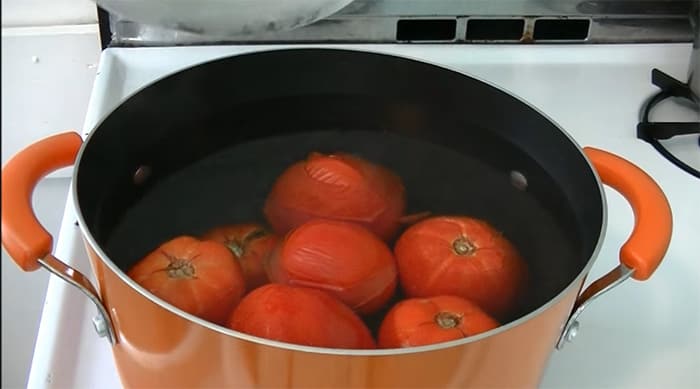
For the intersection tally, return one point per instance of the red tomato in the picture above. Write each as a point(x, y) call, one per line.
point(251, 244)
point(423, 321)
point(339, 187)
point(199, 277)
point(341, 258)
point(301, 316)
point(464, 257)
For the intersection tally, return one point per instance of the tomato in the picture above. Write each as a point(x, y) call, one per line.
point(301, 316)
point(251, 244)
point(339, 187)
point(199, 277)
point(341, 258)
point(464, 257)
point(423, 321)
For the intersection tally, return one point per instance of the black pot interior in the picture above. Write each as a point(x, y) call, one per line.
point(209, 142)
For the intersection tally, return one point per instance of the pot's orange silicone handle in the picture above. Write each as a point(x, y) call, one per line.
point(651, 235)
point(22, 235)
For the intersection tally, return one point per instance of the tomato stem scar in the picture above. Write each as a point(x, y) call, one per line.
point(447, 320)
point(180, 268)
point(236, 248)
point(462, 246)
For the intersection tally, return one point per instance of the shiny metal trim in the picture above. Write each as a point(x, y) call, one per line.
point(375, 21)
point(608, 29)
point(694, 67)
point(376, 49)
point(78, 280)
point(600, 286)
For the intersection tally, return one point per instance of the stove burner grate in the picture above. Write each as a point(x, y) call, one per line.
point(651, 132)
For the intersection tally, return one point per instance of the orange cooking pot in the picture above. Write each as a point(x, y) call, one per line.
point(202, 147)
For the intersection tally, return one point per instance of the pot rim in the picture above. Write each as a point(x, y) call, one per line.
point(336, 351)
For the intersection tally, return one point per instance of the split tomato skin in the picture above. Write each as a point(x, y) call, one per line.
point(341, 258)
point(461, 256)
point(200, 277)
point(251, 244)
point(301, 316)
point(424, 321)
point(339, 187)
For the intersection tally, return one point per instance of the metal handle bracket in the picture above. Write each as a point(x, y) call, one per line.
point(102, 322)
point(604, 284)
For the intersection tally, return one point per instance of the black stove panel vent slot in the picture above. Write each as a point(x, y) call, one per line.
point(495, 29)
point(561, 29)
point(426, 30)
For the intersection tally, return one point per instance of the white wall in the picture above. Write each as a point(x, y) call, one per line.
point(47, 74)
point(50, 50)
point(20, 13)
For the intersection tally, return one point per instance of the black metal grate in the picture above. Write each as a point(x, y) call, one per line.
point(651, 132)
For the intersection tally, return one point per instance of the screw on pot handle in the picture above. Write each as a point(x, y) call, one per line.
point(643, 251)
point(25, 239)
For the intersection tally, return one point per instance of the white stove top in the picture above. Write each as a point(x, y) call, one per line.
point(639, 335)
